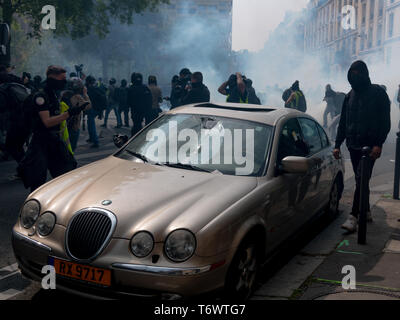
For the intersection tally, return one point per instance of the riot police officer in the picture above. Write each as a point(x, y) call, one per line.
point(48, 149)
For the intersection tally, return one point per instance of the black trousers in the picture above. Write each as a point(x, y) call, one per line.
point(15, 140)
point(356, 156)
point(44, 153)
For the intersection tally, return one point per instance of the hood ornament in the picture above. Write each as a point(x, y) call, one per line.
point(106, 202)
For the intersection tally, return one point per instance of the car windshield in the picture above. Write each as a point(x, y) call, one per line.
point(203, 143)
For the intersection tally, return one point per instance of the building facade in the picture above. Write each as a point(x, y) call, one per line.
point(375, 36)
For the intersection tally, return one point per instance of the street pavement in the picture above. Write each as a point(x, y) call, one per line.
point(310, 268)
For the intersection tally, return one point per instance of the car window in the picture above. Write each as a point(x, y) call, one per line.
point(324, 138)
point(291, 142)
point(311, 135)
point(212, 143)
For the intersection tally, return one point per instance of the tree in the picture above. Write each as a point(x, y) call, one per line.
point(75, 18)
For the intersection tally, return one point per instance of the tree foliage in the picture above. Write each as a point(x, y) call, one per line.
point(76, 18)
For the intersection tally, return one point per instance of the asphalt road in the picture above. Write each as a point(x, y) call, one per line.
point(14, 286)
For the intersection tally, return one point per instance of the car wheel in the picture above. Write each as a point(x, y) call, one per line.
point(243, 271)
point(334, 198)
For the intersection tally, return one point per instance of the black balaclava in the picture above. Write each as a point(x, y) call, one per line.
point(296, 86)
point(358, 76)
point(55, 84)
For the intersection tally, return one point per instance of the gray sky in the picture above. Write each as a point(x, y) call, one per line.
point(253, 20)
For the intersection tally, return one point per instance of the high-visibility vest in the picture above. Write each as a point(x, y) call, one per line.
point(64, 128)
point(241, 101)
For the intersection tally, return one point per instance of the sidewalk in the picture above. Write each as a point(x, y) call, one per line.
point(315, 272)
point(377, 264)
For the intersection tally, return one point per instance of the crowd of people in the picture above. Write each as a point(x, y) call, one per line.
point(42, 120)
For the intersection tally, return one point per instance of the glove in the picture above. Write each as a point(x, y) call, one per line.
point(75, 111)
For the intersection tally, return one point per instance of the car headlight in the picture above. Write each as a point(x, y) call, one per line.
point(29, 213)
point(45, 223)
point(180, 245)
point(142, 244)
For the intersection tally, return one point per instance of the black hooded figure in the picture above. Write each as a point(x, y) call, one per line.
point(140, 101)
point(365, 122)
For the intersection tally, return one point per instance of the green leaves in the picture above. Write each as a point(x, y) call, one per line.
point(77, 18)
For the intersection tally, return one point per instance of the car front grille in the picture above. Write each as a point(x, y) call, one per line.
point(88, 233)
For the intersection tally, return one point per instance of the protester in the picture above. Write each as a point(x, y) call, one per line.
point(140, 101)
point(99, 102)
point(122, 98)
point(157, 98)
point(197, 91)
point(37, 83)
point(80, 99)
point(239, 89)
point(296, 99)
point(48, 149)
point(365, 122)
point(180, 89)
point(112, 104)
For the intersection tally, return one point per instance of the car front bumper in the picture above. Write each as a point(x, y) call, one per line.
point(128, 279)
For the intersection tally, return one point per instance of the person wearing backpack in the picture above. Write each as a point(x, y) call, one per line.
point(140, 101)
point(48, 149)
point(297, 99)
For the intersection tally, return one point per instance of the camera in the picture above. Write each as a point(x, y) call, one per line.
point(79, 68)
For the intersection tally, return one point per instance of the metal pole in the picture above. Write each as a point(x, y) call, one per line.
point(364, 199)
point(396, 189)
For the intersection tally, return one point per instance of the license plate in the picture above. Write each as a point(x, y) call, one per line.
point(82, 272)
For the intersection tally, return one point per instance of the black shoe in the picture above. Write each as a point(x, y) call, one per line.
point(94, 146)
point(118, 127)
point(127, 126)
point(103, 126)
point(89, 141)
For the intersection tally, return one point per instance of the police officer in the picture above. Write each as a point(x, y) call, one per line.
point(48, 150)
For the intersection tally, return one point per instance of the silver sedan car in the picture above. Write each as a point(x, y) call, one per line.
point(195, 202)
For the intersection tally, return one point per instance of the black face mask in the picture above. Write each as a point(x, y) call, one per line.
point(358, 76)
point(56, 84)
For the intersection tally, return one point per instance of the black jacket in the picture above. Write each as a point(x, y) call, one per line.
point(140, 99)
point(198, 94)
point(365, 119)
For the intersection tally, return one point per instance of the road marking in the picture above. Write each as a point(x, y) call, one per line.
point(8, 294)
point(349, 252)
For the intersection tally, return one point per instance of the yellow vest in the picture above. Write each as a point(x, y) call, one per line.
point(64, 129)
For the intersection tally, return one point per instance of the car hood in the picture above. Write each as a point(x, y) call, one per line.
point(144, 197)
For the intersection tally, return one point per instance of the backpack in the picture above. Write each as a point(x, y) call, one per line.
point(13, 96)
point(302, 106)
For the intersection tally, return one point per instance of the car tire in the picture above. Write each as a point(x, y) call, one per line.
point(243, 271)
point(332, 209)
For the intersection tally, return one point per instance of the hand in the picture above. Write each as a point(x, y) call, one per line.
point(336, 154)
point(84, 91)
point(376, 153)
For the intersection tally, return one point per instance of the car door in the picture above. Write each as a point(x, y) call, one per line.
point(286, 205)
point(314, 189)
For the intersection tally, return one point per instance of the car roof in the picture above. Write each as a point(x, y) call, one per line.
point(250, 112)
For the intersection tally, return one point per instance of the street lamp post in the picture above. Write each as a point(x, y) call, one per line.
point(396, 188)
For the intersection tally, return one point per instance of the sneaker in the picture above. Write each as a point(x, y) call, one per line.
point(351, 224)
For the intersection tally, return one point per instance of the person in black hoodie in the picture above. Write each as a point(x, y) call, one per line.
point(140, 101)
point(365, 122)
point(197, 92)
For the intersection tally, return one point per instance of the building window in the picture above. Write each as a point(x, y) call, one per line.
point(391, 24)
point(372, 10)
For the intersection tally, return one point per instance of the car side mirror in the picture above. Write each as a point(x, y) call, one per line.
point(295, 165)
point(120, 140)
